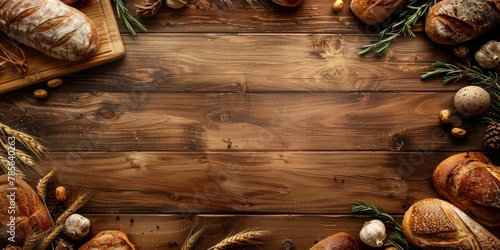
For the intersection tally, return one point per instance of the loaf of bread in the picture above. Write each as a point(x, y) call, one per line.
point(51, 27)
point(456, 21)
point(472, 183)
point(373, 12)
point(338, 241)
point(437, 224)
point(108, 240)
point(21, 210)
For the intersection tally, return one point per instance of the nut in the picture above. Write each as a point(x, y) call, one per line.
point(445, 116)
point(40, 93)
point(458, 132)
point(460, 51)
point(337, 5)
point(61, 194)
point(54, 82)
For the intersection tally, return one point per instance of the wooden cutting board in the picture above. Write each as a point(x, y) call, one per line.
point(43, 67)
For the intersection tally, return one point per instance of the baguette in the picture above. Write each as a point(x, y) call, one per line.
point(437, 224)
point(472, 183)
point(51, 27)
point(455, 21)
point(373, 12)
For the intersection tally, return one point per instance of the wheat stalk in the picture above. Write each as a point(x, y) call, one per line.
point(41, 187)
point(81, 199)
point(32, 239)
point(5, 163)
point(193, 237)
point(246, 237)
point(27, 140)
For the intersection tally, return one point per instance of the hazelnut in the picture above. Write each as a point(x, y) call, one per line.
point(61, 194)
point(40, 93)
point(458, 132)
point(54, 82)
point(337, 5)
point(445, 116)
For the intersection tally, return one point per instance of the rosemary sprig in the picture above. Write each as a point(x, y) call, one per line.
point(127, 19)
point(402, 26)
point(396, 238)
point(487, 80)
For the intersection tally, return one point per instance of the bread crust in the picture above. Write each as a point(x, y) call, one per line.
point(338, 241)
point(375, 11)
point(51, 27)
point(437, 224)
point(472, 183)
point(456, 21)
point(30, 212)
point(108, 240)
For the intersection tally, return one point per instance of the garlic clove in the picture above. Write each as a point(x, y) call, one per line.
point(76, 227)
point(176, 4)
point(488, 56)
point(373, 233)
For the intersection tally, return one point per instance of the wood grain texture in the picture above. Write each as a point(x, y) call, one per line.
point(245, 182)
point(145, 121)
point(264, 63)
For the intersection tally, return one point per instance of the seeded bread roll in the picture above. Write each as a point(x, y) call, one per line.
point(373, 12)
point(338, 241)
point(437, 224)
point(456, 21)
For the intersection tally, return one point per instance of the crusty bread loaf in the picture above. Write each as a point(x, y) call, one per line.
point(19, 201)
point(373, 12)
point(456, 21)
point(338, 241)
point(472, 183)
point(51, 27)
point(108, 240)
point(437, 224)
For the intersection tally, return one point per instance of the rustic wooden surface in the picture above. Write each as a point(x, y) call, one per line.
point(247, 118)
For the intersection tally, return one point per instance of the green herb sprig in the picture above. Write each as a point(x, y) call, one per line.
point(402, 26)
point(487, 80)
point(396, 238)
point(127, 19)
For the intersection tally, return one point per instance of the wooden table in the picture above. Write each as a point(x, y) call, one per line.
point(246, 118)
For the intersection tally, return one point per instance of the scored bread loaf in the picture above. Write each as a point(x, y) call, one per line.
point(21, 210)
point(108, 240)
point(373, 12)
point(456, 21)
point(51, 27)
point(437, 224)
point(472, 183)
point(338, 241)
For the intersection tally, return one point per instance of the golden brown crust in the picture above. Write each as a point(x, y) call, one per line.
point(375, 11)
point(472, 183)
point(455, 21)
point(28, 210)
point(107, 240)
point(338, 241)
point(435, 224)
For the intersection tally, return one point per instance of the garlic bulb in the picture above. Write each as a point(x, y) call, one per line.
point(176, 4)
point(488, 56)
point(373, 233)
point(76, 227)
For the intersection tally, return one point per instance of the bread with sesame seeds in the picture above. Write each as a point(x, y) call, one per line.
point(471, 182)
point(437, 224)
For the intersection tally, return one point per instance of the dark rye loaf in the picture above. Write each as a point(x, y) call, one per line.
point(456, 21)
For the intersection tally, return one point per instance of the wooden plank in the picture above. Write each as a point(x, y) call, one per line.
point(166, 231)
point(212, 16)
point(244, 182)
point(264, 63)
point(145, 121)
